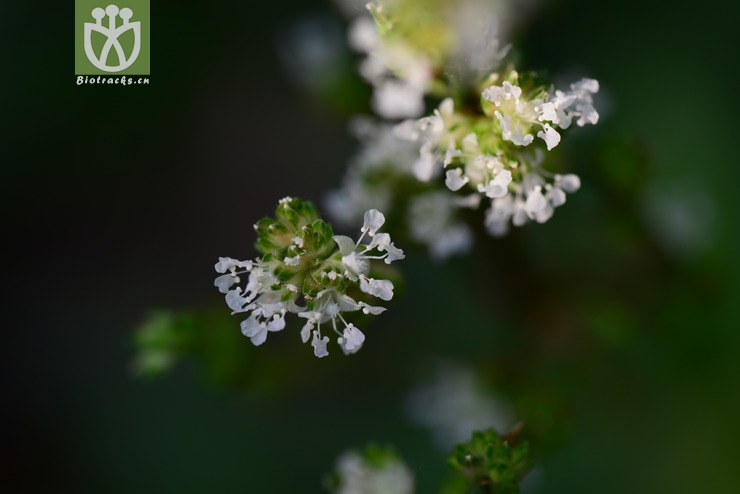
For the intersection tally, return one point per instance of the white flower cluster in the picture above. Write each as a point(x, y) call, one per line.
point(380, 171)
point(384, 475)
point(517, 115)
point(270, 287)
point(488, 143)
point(518, 187)
point(404, 46)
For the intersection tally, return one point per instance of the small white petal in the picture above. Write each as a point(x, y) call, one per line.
point(369, 309)
point(235, 301)
point(382, 289)
point(425, 166)
point(535, 201)
point(373, 220)
point(250, 326)
point(590, 85)
point(519, 217)
point(550, 136)
point(556, 197)
point(277, 323)
point(319, 345)
point(570, 183)
point(226, 263)
point(306, 331)
point(394, 253)
point(395, 99)
point(499, 186)
point(224, 282)
point(363, 34)
point(259, 338)
point(352, 338)
point(544, 214)
point(455, 180)
point(380, 241)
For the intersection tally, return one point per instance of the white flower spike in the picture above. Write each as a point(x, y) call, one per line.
point(304, 263)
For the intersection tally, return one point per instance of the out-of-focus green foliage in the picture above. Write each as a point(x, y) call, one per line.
point(211, 339)
point(161, 339)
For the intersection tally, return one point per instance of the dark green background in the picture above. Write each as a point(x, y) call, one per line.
point(118, 200)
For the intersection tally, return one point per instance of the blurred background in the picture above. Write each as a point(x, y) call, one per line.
point(612, 331)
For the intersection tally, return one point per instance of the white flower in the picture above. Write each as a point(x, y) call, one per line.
point(228, 264)
point(359, 476)
point(535, 201)
point(515, 114)
point(257, 330)
point(455, 179)
point(429, 132)
point(555, 196)
point(550, 136)
point(432, 221)
point(363, 34)
point(236, 301)
point(518, 115)
point(569, 183)
point(352, 339)
point(382, 242)
point(499, 215)
point(514, 129)
point(395, 99)
point(382, 289)
point(498, 95)
point(578, 102)
point(544, 214)
point(313, 318)
point(400, 75)
point(224, 282)
point(319, 345)
point(267, 299)
point(499, 186)
point(554, 109)
point(425, 166)
point(374, 219)
point(355, 266)
point(369, 309)
point(584, 108)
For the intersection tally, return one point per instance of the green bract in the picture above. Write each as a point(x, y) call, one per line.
point(297, 231)
point(493, 463)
